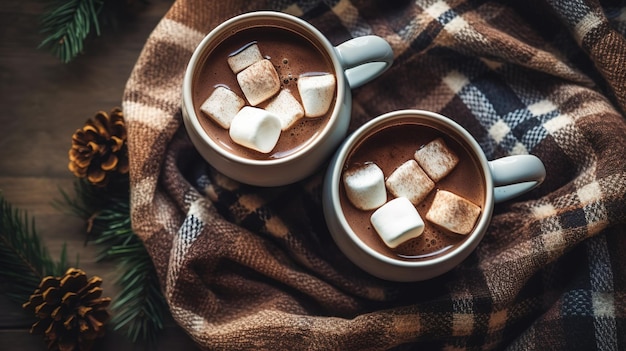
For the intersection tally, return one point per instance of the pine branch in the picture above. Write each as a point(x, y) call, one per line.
point(24, 258)
point(67, 25)
point(140, 308)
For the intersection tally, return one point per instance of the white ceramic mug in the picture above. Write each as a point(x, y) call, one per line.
point(355, 62)
point(503, 179)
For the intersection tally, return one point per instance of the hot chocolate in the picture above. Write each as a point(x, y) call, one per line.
point(292, 55)
point(391, 146)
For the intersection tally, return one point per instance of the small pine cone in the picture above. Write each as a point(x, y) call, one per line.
point(70, 310)
point(99, 148)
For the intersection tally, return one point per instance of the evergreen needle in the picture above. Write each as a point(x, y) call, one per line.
point(140, 308)
point(24, 258)
point(68, 24)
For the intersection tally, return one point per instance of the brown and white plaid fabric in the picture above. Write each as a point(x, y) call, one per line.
point(255, 268)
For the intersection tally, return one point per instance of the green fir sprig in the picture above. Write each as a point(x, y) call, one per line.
point(67, 24)
point(24, 259)
point(140, 308)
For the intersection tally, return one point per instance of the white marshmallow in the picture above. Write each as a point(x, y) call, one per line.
point(256, 129)
point(259, 81)
point(222, 106)
point(246, 56)
point(286, 107)
point(365, 186)
point(436, 159)
point(397, 221)
point(316, 93)
point(453, 212)
point(410, 181)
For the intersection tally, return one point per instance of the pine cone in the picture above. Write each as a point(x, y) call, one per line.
point(70, 310)
point(99, 148)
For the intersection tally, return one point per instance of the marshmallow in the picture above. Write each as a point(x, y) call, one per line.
point(316, 93)
point(453, 212)
point(436, 159)
point(286, 107)
point(256, 129)
point(397, 221)
point(410, 181)
point(259, 81)
point(222, 106)
point(365, 186)
point(244, 57)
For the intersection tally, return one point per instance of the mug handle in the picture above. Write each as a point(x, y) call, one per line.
point(364, 58)
point(515, 175)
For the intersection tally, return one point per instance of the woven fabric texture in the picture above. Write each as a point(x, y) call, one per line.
point(255, 268)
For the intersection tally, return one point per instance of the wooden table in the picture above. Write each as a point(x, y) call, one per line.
point(43, 102)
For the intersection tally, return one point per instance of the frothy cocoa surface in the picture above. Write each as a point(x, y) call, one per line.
point(292, 55)
point(389, 148)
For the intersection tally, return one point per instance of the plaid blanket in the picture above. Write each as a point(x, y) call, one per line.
point(255, 268)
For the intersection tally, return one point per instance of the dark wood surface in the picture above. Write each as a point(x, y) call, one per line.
point(43, 102)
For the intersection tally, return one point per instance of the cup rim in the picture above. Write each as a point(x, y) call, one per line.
point(336, 174)
point(252, 17)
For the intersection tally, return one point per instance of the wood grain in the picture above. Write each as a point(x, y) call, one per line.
point(43, 102)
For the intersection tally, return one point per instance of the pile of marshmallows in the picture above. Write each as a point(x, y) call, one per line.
point(398, 220)
point(260, 128)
